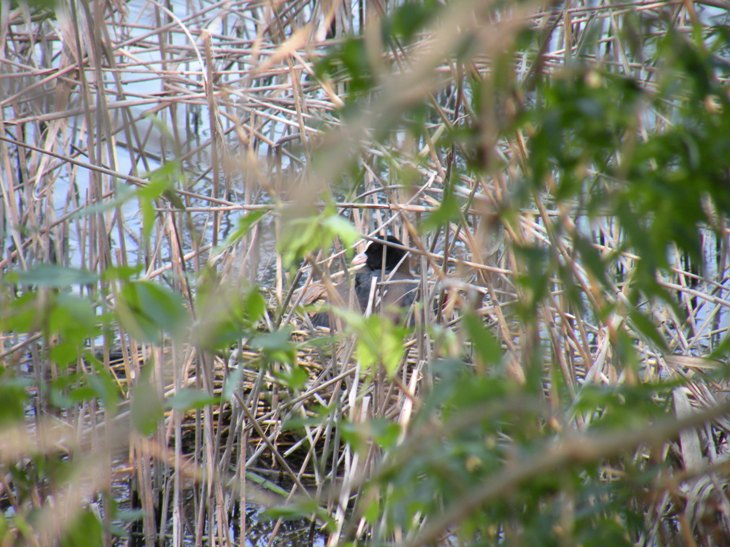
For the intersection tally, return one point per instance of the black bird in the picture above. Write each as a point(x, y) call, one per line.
point(384, 284)
point(394, 287)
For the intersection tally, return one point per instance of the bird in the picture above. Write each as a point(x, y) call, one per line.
point(383, 284)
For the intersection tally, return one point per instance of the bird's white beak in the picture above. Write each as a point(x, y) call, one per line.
point(359, 259)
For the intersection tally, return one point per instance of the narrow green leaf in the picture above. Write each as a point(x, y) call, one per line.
point(591, 259)
point(647, 327)
point(266, 483)
point(13, 397)
point(276, 346)
point(147, 409)
point(255, 306)
point(104, 385)
point(245, 223)
point(485, 344)
point(448, 211)
point(379, 341)
point(233, 384)
point(294, 377)
point(84, 531)
point(147, 309)
point(342, 228)
point(123, 195)
point(189, 398)
point(51, 275)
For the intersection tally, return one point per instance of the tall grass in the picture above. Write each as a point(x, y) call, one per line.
point(176, 180)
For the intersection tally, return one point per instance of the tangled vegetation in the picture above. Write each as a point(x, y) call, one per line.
point(177, 178)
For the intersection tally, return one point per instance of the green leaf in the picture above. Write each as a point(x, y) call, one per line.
point(294, 377)
point(147, 207)
point(342, 228)
point(276, 346)
point(123, 194)
point(245, 223)
point(73, 318)
point(409, 19)
point(372, 511)
point(233, 384)
point(51, 275)
point(448, 211)
point(226, 314)
point(13, 397)
point(722, 350)
point(303, 235)
point(266, 483)
point(384, 432)
point(121, 273)
point(22, 313)
point(349, 61)
point(254, 306)
point(319, 415)
point(104, 385)
point(146, 310)
point(647, 327)
point(129, 515)
point(63, 353)
point(161, 182)
point(60, 390)
point(299, 510)
point(379, 341)
point(84, 531)
point(485, 344)
point(147, 408)
point(189, 398)
point(591, 259)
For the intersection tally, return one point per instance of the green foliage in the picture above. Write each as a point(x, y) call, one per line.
point(487, 433)
point(533, 276)
point(41, 9)
point(298, 510)
point(189, 398)
point(600, 144)
point(51, 276)
point(349, 62)
point(276, 346)
point(581, 120)
point(655, 186)
point(162, 183)
point(147, 310)
point(304, 234)
point(73, 319)
point(226, 316)
point(492, 457)
point(85, 531)
point(409, 19)
point(103, 384)
point(14, 397)
point(147, 406)
point(486, 346)
point(379, 431)
point(66, 319)
point(293, 377)
point(245, 223)
point(614, 407)
point(447, 211)
point(379, 341)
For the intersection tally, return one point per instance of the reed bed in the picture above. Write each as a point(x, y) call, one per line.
point(141, 137)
